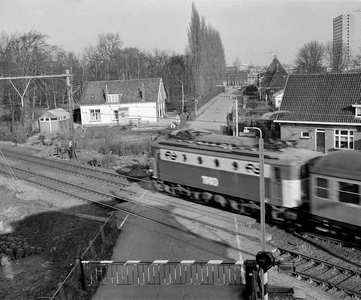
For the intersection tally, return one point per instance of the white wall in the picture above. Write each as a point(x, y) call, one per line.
point(147, 111)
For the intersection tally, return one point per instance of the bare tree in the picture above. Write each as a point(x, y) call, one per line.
point(108, 48)
point(336, 55)
point(309, 58)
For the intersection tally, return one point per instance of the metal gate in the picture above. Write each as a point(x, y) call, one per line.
point(213, 272)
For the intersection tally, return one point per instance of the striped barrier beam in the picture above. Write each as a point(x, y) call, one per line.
point(155, 262)
point(218, 272)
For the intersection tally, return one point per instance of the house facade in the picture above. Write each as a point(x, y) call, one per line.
point(324, 111)
point(276, 99)
point(123, 102)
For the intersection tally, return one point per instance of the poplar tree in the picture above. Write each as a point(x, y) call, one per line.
point(205, 55)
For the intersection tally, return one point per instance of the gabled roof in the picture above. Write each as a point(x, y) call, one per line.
point(280, 92)
point(57, 113)
point(275, 76)
point(321, 98)
point(131, 90)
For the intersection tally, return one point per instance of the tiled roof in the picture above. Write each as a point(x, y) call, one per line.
point(94, 92)
point(322, 98)
point(275, 76)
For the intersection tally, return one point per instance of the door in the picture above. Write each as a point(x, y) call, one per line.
point(123, 115)
point(320, 140)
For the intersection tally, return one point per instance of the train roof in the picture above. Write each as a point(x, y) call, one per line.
point(343, 164)
point(200, 139)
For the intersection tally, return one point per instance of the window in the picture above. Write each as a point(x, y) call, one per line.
point(216, 162)
point(343, 139)
point(113, 98)
point(95, 115)
point(348, 193)
point(200, 160)
point(277, 174)
point(305, 135)
point(322, 188)
point(358, 112)
point(235, 166)
point(357, 107)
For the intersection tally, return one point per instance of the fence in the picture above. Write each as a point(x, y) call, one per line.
point(75, 286)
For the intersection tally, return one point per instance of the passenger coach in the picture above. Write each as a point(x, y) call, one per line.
point(336, 190)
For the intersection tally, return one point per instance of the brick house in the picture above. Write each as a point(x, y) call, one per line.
point(123, 102)
point(324, 111)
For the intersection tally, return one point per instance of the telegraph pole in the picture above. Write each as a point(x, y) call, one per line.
point(69, 88)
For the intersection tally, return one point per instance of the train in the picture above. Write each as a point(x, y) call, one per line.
point(301, 186)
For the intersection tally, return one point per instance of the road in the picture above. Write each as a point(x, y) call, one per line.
point(212, 116)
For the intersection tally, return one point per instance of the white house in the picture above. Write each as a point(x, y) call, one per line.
point(123, 102)
point(276, 99)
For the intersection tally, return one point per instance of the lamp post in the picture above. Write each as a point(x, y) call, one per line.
point(235, 97)
point(262, 206)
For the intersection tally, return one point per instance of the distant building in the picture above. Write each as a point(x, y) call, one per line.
point(346, 37)
point(272, 80)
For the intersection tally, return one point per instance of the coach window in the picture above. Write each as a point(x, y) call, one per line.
point(322, 188)
point(199, 160)
point(235, 166)
point(344, 139)
point(216, 162)
point(277, 174)
point(184, 158)
point(348, 192)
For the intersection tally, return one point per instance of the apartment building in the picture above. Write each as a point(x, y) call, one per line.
point(346, 37)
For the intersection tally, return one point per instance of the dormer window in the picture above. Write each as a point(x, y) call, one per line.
point(357, 110)
point(114, 98)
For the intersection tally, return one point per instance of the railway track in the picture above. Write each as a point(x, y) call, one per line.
point(70, 167)
point(124, 200)
point(326, 275)
point(109, 196)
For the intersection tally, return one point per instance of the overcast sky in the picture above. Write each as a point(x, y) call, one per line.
point(252, 30)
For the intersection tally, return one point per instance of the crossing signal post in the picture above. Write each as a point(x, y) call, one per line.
point(257, 269)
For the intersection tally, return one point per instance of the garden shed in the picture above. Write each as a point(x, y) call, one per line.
point(54, 120)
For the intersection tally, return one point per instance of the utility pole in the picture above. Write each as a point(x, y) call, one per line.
point(182, 95)
point(69, 88)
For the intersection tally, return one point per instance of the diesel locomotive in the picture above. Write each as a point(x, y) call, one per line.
point(301, 186)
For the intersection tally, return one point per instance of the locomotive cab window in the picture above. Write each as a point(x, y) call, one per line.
point(348, 192)
point(322, 188)
point(277, 174)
